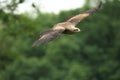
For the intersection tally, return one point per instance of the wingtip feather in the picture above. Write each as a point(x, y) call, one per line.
point(95, 9)
point(100, 4)
point(36, 43)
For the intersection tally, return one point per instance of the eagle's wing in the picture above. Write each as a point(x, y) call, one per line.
point(48, 36)
point(76, 19)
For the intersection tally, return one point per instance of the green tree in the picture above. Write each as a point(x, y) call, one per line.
point(92, 54)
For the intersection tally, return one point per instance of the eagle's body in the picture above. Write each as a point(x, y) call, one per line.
point(67, 27)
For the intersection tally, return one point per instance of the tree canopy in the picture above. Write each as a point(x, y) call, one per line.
point(92, 54)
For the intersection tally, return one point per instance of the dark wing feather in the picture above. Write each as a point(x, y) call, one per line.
point(47, 36)
point(45, 32)
point(76, 19)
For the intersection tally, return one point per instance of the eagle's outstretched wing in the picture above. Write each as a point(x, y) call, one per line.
point(48, 36)
point(76, 19)
point(60, 28)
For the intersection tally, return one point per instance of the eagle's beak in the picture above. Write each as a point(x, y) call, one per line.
point(76, 30)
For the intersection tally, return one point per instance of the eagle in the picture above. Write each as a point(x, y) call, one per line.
point(66, 27)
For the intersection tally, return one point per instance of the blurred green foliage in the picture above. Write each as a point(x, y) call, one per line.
point(92, 54)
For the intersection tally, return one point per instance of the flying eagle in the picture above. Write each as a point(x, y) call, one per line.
point(67, 27)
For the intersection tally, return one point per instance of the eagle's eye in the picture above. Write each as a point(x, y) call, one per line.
point(76, 30)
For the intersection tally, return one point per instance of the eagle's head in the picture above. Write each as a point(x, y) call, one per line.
point(76, 30)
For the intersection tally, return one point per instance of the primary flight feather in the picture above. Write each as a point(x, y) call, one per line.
point(66, 27)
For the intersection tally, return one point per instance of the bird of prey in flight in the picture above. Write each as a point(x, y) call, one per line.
point(67, 27)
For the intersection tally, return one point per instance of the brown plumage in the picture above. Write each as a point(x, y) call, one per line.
point(67, 27)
